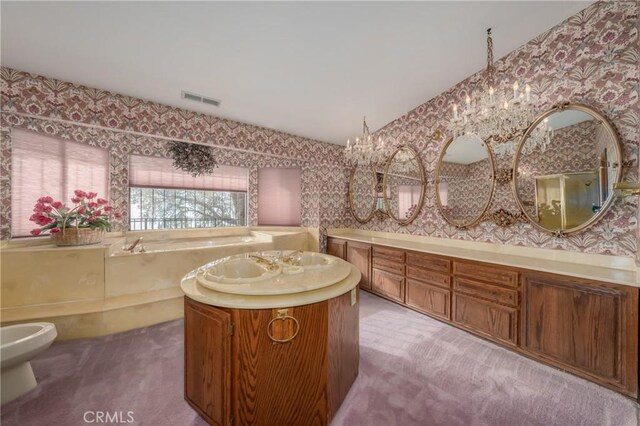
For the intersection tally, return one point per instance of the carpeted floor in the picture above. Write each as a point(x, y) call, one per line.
point(413, 371)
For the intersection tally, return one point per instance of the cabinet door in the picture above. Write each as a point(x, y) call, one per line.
point(494, 321)
point(429, 299)
point(388, 285)
point(586, 327)
point(359, 255)
point(337, 248)
point(207, 357)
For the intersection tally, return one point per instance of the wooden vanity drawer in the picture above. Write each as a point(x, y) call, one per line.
point(430, 277)
point(428, 299)
point(389, 265)
point(389, 253)
point(493, 293)
point(493, 321)
point(429, 262)
point(388, 284)
point(491, 274)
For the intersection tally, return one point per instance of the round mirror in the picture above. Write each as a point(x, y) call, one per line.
point(564, 169)
point(464, 180)
point(403, 185)
point(362, 193)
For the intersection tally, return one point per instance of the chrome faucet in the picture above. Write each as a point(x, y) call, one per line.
point(133, 246)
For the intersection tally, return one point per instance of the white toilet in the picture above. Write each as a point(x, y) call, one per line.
point(18, 345)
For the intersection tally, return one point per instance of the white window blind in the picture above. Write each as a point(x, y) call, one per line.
point(44, 165)
point(154, 172)
point(279, 192)
point(408, 196)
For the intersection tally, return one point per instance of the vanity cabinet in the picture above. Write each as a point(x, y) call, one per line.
point(359, 255)
point(428, 286)
point(486, 300)
point(337, 248)
point(429, 299)
point(387, 276)
point(496, 322)
point(208, 355)
point(271, 366)
point(388, 285)
point(586, 327)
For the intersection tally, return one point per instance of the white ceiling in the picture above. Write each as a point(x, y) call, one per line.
point(466, 149)
point(311, 69)
point(568, 117)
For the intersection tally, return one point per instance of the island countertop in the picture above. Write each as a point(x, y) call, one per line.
point(197, 292)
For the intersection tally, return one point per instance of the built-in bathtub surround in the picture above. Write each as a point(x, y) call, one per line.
point(102, 289)
point(591, 58)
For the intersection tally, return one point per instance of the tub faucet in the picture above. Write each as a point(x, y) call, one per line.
point(133, 246)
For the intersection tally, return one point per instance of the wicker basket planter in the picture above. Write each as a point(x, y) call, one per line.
point(78, 237)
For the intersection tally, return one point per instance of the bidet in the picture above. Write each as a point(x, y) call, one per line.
point(19, 344)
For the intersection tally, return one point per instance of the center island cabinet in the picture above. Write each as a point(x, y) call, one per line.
point(574, 311)
point(271, 338)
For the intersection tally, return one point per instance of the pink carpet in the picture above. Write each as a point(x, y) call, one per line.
point(413, 371)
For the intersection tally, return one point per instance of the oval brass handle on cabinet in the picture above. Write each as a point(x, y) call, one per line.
point(283, 315)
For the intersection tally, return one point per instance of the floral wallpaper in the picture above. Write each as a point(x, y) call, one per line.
point(591, 58)
point(468, 188)
point(126, 126)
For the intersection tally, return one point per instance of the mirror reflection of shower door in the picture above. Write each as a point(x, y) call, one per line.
point(549, 201)
point(581, 193)
point(567, 200)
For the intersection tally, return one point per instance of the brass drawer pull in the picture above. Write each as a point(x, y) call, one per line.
point(283, 315)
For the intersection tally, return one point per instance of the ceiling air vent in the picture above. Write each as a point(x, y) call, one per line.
point(199, 98)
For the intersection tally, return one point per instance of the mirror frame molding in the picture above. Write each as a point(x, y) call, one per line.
point(423, 178)
point(620, 160)
point(374, 192)
point(476, 220)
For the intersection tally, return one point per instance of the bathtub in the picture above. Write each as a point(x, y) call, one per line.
point(102, 289)
point(165, 245)
point(165, 261)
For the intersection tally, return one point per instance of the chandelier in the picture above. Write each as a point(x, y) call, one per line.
point(366, 151)
point(404, 163)
point(537, 141)
point(497, 117)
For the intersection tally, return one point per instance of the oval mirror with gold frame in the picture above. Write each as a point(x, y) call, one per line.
point(565, 166)
point(464, 180)
point(363, 193)
point(403, 184)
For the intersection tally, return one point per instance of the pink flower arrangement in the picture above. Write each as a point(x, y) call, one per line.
point(54, 216)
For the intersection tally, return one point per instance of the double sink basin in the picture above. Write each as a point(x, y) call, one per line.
point(272, 272)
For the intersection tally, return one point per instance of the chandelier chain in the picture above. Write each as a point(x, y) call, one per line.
point(490, 56)
point(499, 116)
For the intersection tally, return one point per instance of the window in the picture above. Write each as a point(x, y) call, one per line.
point(408, 197)
point(279, 196)
point(163, 197)
point(46, 165)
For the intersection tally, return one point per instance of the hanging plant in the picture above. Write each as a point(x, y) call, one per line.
point(192, 158)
